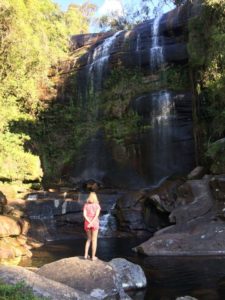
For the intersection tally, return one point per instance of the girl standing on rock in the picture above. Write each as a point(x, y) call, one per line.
point(91, 213)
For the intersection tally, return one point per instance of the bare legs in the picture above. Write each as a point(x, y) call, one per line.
point(87, 244)
point(92, 237)
point(94, 243)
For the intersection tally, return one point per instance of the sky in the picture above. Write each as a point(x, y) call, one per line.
point(64, 3)
point(105, 6)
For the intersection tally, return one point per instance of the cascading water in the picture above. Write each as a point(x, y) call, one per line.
point(107, 222)
point(138, 42)
point(98, 62)
point(96, 70)
point(138, 48)
point(164, 104)
point(163, 132)
point(156, 51)
point(163, 123)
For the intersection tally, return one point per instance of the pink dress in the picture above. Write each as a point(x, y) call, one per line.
point(91, 209)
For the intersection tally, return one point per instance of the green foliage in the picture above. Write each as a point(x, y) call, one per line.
point(124, 84)
point(61, 131)
point(119, 120)
point(77, 17)
point(64, 128)
point(16, 292)
point(197, 42)
point(207, 59)
point(177, 77)
point(15, 163)
point(34, 36)
point(216, 152)
point(120, 130)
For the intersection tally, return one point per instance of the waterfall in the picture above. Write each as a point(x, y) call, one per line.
point(162, 122)
point(138, 49)
point(107, 222)
point(138, 46)
point(156, 51)
point(146, 152)
point(98, 61)
point(157, 61)
point(92, 166)
point(163, 114)
point(163, 108)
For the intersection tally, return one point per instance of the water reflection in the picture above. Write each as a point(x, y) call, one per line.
point(168, 277)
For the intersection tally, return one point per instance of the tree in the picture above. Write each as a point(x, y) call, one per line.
point(207, 63)
point(78, 17)
point(34, 36)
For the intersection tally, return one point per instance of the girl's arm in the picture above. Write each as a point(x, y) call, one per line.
point(95, 217)
point(85, 216)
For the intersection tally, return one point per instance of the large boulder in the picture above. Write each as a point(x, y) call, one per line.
point(129, 212)
point(3, 202)
point(131, 275)
point(41, 286)
point(9, 227)
point(144, 212)
point(199, 238)
point(197, 229)
point(186, 298)
point(13, 242)
point(12, 249)
point(217, 185)
point(164, 197)
point(197, 173)
point(194, 200)
point(96, 278)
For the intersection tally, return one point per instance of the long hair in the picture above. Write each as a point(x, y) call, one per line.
point(92, 198)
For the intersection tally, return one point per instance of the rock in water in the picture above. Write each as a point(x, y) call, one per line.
point(197, 173)
point(96, 278)
point(131, 275)
point(186, 298)
point(40, 286)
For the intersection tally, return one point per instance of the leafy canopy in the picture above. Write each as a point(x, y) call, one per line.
point(34, 36)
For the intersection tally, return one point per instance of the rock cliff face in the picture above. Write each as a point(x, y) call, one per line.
point(132, 48)
point(140, 129)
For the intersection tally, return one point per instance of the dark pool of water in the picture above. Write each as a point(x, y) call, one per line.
point(168, 277)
